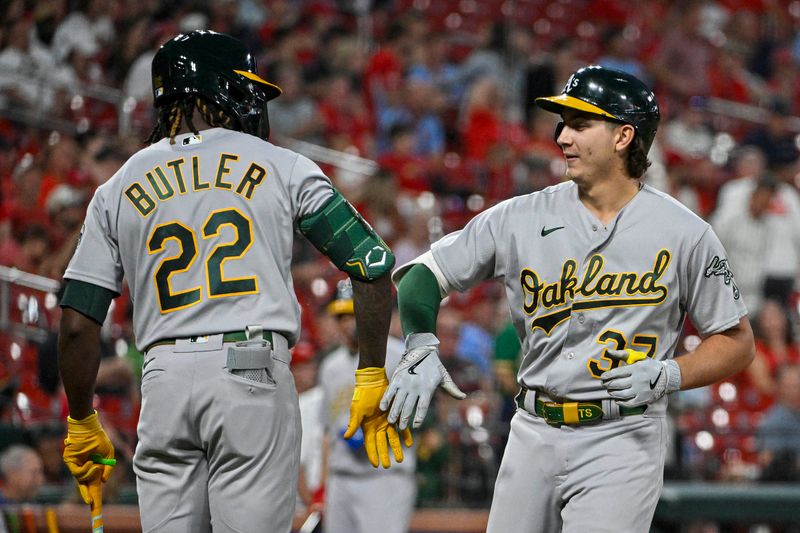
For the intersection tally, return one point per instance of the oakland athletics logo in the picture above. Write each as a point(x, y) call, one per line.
point(595, 289)
point(719, 267)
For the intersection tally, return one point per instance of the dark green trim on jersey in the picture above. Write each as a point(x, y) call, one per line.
point(339, 232)
point(87, 299)
point(419, 300)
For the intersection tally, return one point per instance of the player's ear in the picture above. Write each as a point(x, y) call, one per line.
point(623, 136)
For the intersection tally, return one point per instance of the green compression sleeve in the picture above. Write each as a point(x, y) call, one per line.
point(419, 300)
point(88, 299)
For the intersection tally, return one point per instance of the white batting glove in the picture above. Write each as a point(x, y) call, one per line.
point(415, 379)
point(641, 380)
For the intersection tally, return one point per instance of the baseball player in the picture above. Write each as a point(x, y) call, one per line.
point(201, 225)
point(358, 498)
point(600, 272)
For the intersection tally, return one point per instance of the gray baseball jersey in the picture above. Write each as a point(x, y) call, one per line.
point(202, 230)
point(577, 288)
point(206, 223)
point(358, 497)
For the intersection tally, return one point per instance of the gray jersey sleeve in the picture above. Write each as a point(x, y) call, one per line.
point(97, 258)
point(308, 187)
point(468, 256)
point(713, 300)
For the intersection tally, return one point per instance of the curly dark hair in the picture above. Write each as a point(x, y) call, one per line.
point(171, 116)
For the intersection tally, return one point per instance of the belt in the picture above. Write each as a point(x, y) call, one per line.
point(571, 413)
point(232, 336)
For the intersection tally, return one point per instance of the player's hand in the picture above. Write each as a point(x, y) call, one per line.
point(640, 380)
point(365, 412)
point(88, 453)
point(415, 380)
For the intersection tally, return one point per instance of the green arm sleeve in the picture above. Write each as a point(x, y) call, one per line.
point(88, 299)
point(418, 299)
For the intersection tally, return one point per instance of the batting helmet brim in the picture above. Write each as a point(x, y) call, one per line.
point(556, 104)
point(271, 90)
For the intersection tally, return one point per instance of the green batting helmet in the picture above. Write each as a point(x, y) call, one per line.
point(610, 93)
point(219, 68)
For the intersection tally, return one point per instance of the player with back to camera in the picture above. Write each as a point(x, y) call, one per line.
point(600, 272)
point(201, 225)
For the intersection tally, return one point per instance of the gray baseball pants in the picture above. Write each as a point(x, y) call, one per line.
point(605, 477)
point(216, 452)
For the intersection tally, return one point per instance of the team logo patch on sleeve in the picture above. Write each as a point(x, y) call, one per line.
point(719, 267)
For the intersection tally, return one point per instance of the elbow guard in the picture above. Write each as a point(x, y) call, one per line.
point(338, 231)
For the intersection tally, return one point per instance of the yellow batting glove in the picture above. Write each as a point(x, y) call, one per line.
point(88, 453)
point(365, 411)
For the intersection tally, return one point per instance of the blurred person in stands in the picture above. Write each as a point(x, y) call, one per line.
point(776, 138)
point(776, 346)
point(65, 210)
point(33, 248)
point(548, 74)
point(409, 169)
point(729, 78)
point(345, 119)
point(416, 239)
point(785, 78)
point(620, 53)
point(48, 440)
point(431, 63)
point(746, 235)
point(689, 135)
point(88, 27)
point(781, 259)
point(294, 114)
point(481, 120)
point(682, 60)
point(23, 475)
point(19, 64)
point(60, 158)
point(779, 429)
point(135, 39)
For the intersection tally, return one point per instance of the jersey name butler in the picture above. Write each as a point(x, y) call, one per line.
point(160, 184)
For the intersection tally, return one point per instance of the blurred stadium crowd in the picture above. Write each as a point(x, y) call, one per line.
point(421, 113)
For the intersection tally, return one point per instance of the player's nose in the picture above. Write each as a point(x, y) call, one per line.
point(563, 135)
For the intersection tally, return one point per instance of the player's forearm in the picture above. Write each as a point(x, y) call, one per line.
point(372, 302)
point(718, 356)
point(78, 360)
point(419, 299)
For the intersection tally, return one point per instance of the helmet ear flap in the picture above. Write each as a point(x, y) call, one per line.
point(559, 129)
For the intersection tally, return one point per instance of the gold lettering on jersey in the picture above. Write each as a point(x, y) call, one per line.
point(251, 179)
point(141, 201)
point(595, 289)
point(175, 165)
point(223, 169)
point(162, 187)
point(198, 185)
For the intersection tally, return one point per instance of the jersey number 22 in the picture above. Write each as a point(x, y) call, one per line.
point(216, 284)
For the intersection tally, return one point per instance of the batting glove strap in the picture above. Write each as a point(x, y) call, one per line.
point(418, 340)
point(673, 371)
point(90, 424)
